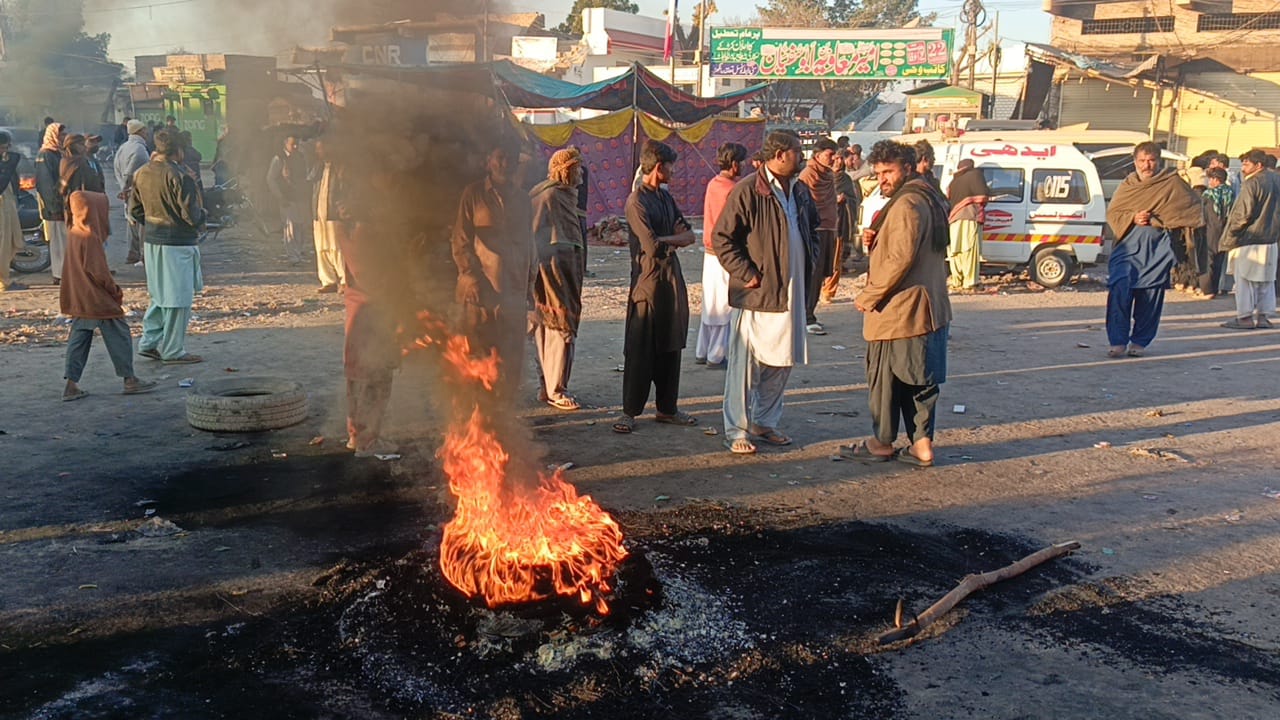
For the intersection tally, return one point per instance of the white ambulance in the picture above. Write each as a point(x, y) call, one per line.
point(1046, 211)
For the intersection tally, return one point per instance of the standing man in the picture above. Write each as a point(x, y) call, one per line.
point(1217, 200)
point(558, 245)
point(925, 160)
point(1149, 208)
point(968, 194)
point(10, 223)
point(767, 239)
point(658, 304)
point(848, 199)
point(493, 254)
point(121, 135)
point(165, 200)
point(327, 227)
point(1221, 160)
point(1250, 243)
point(287, 179)
point(713, 331)
point(49, 193)
point(906, 310)
point(131, 157)
point(819, 176)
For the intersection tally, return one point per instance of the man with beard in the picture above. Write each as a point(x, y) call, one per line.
point(1250, 243)
point(906, 310)
point(49, 193)
point(818, 175)
point(713, 331)
point(967, 193)
point(1148, 210)
point(493, 254)
point(558, 244)
point(165, 199)
point(766, 239)
point(658, 304)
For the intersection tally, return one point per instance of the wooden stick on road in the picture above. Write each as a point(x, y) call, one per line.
point(970, 585)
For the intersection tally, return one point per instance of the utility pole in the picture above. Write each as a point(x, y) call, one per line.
point(974, 15)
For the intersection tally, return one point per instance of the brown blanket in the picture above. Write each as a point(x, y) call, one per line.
point(1172, 202)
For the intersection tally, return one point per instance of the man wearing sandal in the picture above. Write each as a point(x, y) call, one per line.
point(1250, 243)
point(905, 309)
point(658, 305)
point(767, 241)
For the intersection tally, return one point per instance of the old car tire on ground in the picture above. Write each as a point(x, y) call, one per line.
point(32, 256)
point(1051, 268)
point(246, 404)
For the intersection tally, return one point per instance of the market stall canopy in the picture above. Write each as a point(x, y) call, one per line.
point(637, 87)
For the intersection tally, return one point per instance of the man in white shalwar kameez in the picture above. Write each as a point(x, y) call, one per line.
point(1253, 226)
point(713, 331)
point(327, 223)
point(766, 239)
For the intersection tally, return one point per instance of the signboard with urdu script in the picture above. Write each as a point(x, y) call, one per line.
point(831, 54)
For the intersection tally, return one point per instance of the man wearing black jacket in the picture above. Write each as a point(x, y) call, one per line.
point(165, 199)
point(767, 240)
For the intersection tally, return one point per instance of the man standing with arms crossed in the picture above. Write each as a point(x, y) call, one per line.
point(766, 239)
point(658, 304)
point(905, 310)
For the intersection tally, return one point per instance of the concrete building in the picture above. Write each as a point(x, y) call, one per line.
point(1194, 74)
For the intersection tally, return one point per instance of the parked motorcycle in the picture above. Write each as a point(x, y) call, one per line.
point(33, 254)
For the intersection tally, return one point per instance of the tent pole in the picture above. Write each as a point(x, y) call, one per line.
point(635, 118)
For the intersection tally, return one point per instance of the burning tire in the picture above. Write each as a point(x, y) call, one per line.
point(249, 404)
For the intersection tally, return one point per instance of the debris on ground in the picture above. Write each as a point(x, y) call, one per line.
point(1157, 453)
point(158, 527)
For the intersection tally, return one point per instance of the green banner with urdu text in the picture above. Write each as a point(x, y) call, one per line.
point(799, 54)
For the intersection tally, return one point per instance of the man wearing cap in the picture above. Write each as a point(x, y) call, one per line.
point(133, 154)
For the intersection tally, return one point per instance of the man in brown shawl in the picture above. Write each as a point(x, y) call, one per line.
point(1149, 209)
point(492, 251)
point(819, 176)
point(558, 245)
point(967, 193)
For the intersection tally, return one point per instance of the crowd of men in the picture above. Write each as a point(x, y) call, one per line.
point(776, 233)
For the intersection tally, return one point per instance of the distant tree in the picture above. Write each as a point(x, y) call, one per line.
point(49, 58)
point(794, 13)
point(572, 24)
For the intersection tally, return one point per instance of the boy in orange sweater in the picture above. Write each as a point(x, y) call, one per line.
point(91, 298)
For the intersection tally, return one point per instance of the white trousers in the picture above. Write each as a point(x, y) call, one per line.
point(1255, 297)
point(752, 390)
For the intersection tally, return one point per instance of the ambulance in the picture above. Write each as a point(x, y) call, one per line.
point(1048, 206)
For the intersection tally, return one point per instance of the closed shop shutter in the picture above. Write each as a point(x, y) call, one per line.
point(1116, 109)
point(1204, 122)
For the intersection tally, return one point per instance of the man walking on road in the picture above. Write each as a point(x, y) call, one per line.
point(767, 240)
point(968, 194)
point(1250, 243)
point(906, 310)
point(130, 157)
point(165, 199)
point(658, 304)
point(819, 176)
point(1149, 208)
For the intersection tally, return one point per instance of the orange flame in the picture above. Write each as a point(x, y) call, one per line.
point(507, 544)
point(511, 542)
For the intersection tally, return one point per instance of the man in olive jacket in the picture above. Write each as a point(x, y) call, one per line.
point(1250, 243)
point(906, 310)
point(767, 241)
point(166, 201)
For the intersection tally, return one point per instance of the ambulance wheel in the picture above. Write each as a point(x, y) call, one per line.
point(1052, 268)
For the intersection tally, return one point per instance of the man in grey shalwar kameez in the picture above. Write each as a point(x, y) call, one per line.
point(166, 200)
point(767, 240)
